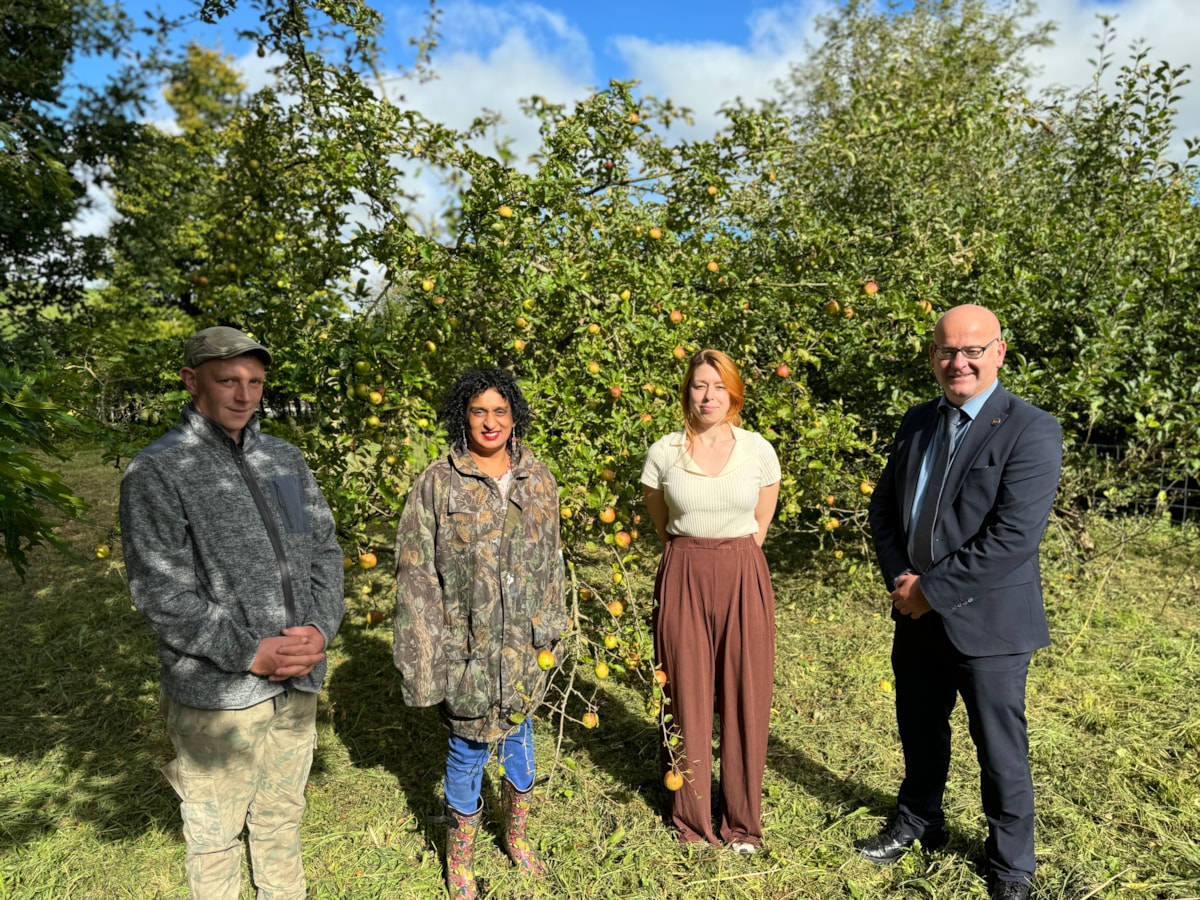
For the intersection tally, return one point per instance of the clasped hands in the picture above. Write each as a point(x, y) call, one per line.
point(295, 652)
point(908, 599)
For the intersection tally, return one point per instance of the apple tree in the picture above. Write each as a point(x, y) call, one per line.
point(941, 177)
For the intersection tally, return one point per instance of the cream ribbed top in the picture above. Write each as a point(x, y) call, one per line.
point(711, 506)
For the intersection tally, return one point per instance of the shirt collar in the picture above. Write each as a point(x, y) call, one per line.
point(737, 456)
point(975, 404)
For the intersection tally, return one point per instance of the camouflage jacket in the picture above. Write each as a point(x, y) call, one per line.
point(479, 592)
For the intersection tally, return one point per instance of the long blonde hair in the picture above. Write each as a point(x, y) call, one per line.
point(734, 387)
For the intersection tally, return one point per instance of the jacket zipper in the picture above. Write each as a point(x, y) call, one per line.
point(260, 501)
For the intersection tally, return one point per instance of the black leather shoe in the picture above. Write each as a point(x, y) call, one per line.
point(893, 842)
point(1009, 890)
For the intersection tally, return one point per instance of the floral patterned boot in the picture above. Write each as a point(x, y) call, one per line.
point(460, 853)
point(516, 845)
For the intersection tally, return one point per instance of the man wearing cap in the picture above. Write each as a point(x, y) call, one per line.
point(232, 558)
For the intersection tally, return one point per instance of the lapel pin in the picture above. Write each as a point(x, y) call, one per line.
point(995, 421)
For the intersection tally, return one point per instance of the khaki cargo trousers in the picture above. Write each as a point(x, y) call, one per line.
point(242, 769)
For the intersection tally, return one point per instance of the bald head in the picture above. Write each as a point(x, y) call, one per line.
point(970, 328)
point(977, 319)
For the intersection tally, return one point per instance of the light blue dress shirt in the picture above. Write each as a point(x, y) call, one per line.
point(971, 409)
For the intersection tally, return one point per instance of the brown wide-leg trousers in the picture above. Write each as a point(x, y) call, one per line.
point(714, 636)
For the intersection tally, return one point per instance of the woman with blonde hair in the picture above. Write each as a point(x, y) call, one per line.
point(711, 491)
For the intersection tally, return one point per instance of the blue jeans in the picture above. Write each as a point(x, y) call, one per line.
point(464, 767)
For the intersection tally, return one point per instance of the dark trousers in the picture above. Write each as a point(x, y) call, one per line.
point(714, 636)
point(930, 674)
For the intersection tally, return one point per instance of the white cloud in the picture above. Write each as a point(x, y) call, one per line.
point(97, 214)
point(469, 83)
point(467, 26)
point(704, 76)
point(489, 59)
point(257, 72)
point(1168, 28)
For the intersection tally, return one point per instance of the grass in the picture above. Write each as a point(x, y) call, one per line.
point(1114, 719)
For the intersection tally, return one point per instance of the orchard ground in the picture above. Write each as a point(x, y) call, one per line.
point(1112, 707)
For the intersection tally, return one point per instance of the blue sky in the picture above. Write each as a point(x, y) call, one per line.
point(700, 53)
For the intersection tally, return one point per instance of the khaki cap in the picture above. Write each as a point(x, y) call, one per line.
point(220, 342)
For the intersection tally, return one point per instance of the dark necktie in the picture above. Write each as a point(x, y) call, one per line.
point(921, 545)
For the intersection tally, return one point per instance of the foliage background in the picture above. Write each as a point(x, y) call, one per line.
point(822, 231)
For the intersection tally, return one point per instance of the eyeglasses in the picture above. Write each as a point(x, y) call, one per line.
point(969, 352)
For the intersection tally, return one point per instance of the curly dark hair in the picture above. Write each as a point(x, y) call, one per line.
point(470, 385)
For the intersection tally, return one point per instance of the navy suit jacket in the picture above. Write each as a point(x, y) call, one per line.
point(985, 580)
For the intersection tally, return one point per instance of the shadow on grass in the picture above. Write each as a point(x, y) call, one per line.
point(846, 798)
point(625, 747)
point(377, 729)
point(80, 729)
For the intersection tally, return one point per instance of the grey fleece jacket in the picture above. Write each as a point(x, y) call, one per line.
point(210, 577)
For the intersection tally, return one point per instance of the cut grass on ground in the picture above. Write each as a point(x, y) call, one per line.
point(1114, 724)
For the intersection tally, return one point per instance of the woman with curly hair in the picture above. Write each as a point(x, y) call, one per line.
point(480, 595)
point(711, 491)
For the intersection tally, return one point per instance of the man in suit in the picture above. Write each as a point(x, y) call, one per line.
point(956, 520)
